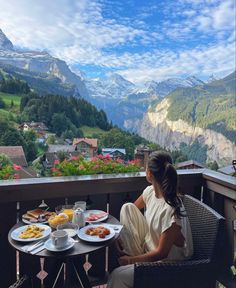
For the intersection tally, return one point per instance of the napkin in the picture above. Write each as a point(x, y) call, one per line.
point(31, 248)
point(38, 249)
point(116, 227)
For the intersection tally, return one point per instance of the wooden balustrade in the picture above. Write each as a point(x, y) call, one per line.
point(102, 192)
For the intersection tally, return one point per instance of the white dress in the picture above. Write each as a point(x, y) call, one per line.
point(142, 233)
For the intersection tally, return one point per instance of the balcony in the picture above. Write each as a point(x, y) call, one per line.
point(105, 192)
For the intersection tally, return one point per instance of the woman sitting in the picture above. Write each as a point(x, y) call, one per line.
point(164, 232)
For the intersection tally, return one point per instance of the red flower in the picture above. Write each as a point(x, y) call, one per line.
point(16, 167)
point(74, 158)
point(56, 162)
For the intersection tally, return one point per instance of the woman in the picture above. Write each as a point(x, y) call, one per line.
point(163, 233)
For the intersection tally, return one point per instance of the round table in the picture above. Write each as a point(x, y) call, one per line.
point(72, 257)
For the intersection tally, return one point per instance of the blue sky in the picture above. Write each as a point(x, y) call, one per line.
point(139, 39)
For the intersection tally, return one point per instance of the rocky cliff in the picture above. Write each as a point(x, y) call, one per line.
point(40, 63)
point(156, 127)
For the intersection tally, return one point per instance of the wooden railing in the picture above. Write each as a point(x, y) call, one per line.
point(105, 192)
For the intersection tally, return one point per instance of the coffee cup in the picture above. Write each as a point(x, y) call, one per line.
point(80, 204)
point(59, 238)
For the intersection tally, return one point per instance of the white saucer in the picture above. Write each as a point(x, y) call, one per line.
point(50, 247)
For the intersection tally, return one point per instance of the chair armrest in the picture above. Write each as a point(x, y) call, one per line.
point(173, 274)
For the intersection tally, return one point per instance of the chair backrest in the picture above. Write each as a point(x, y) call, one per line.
point(207, 228)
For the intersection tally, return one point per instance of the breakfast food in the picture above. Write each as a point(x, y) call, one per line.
point(31, 231)
point(99, 231)
point(68, 212)
point(37, 215)
point(97, 216)
point(55, 220)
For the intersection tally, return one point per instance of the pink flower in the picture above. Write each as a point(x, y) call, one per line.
point(56, 162)
point(16, 167)
point(16, 176)
point(81, 167)
point(74, 158)
point(96, 167)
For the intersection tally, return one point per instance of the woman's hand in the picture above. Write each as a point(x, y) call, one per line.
point(125, 260)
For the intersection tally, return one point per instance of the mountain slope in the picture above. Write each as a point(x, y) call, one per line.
point(205, 114)
point(125, 103)
point(209, 106)
point(41, 65)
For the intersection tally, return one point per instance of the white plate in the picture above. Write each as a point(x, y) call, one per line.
point(16, 233)
point(50, 247)
point(30, 223)
point(83, 236)
point(88, 212)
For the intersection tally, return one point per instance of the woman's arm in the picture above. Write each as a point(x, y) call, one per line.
point(166, 241)
point(139, 203)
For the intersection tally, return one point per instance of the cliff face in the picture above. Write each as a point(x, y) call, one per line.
point(169, 134)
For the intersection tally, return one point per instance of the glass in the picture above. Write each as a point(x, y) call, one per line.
point(80, 204)
point(70, 228)
point(67, 209)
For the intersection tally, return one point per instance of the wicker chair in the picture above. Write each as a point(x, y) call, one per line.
point(199, 272)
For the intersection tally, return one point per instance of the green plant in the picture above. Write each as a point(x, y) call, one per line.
point(97, 165)
point(7, 168)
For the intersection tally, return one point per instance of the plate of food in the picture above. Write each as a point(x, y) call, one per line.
point(96, 233)
point(31, 232)
point(37, 216)
point(94, 216)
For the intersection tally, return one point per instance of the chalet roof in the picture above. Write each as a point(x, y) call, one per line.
point(52, 156)
point(57, 148)
point(112, 150)
point(91, 141)
point(27, 172)
point(15, 153)
point(142, 148)
point(38, 125)
point(189, 163)
point(228, 170)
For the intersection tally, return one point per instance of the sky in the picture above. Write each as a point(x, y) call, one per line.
point(142, 40)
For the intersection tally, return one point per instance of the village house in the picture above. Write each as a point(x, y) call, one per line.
point(114, 153)
point(38, 127)
point(17, 155)
point(141, 153)
point(190, 164)
point(87, 147)
point(58, 152)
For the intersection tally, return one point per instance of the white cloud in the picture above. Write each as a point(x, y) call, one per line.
point(219, 60)
point(79, 33)
point(48, 24)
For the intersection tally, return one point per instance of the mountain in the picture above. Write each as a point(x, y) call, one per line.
point(112, 87)
point(203, 113)
point(212, 78)
point(40, 66)
point(125, 103)
point(5, 43)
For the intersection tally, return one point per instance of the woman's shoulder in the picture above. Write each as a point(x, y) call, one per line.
point(147, 192)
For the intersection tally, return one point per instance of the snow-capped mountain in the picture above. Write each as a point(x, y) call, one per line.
point(114, 87)
point(125, 102)
point(164, 87)
point(41, 63)
point(212, 78)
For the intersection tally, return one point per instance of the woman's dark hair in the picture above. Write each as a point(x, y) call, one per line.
point(160, 164)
